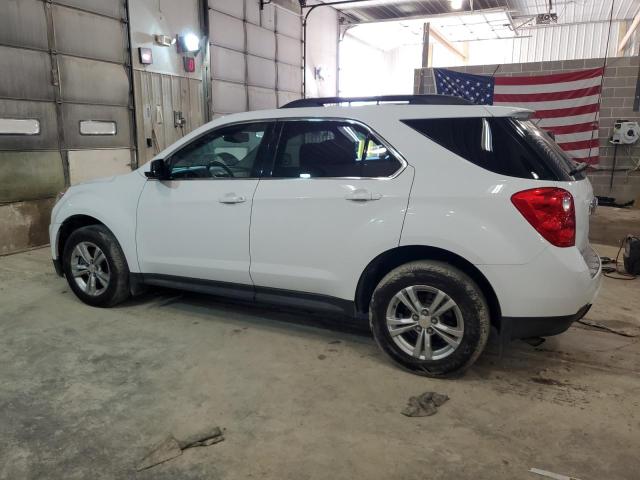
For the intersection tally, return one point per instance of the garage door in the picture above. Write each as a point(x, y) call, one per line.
point(65, 92)
point(65, 105)
point(255, 56)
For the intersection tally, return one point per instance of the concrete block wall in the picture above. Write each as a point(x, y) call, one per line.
point(618, 95)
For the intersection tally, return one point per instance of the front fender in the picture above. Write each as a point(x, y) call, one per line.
point(112, 202)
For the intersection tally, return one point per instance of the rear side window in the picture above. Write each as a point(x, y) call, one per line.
point(316, 149)
point(502, 145)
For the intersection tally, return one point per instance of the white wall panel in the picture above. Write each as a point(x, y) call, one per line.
point(288, 23)
point(89, 164)
point(261, 42)
point(289, 50)
point(289, 78)
point(261, 98)
point(261, 72)
point(226, 31)
point(232, 7)
point(227, 64)
point(228, 97)
point(268, 17)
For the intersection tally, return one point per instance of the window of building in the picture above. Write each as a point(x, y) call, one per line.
point(19, 126)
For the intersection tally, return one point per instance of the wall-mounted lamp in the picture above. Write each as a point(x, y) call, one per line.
point(189, 42)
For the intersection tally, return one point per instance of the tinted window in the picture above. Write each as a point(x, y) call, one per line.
point(310, 149)
point(230, 152)
point(503, 145)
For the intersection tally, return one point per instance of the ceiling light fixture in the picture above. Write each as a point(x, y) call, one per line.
point(456, 4)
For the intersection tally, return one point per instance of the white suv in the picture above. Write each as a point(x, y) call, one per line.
point(433, 218)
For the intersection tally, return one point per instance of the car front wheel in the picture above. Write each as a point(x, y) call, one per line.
point(95, 266)
point(430, 318)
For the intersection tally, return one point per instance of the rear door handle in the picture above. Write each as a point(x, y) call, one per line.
point(232, 198)
point(362, 195)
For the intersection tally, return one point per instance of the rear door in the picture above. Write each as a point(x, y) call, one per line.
point(334, 198)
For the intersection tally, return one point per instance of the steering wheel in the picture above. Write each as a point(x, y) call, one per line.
point(215, 163)
point(227, 158)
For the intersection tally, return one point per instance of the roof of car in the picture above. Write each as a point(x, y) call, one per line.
point(370, 112)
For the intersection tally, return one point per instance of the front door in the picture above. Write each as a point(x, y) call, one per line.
point(196, 225)
point(334, 199)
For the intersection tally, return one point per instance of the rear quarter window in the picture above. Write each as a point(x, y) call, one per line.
point(502, 145)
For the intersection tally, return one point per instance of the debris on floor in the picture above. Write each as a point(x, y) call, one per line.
point(424, 405)
point(555, 476)
point(170, 447)
point(625, 332)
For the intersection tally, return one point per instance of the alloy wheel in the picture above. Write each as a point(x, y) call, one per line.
point(90, 269)
point(424, 322)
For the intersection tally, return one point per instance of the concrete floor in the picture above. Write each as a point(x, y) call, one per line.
point(85, 392)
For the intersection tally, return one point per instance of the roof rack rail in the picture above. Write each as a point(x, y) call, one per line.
point(408, 99)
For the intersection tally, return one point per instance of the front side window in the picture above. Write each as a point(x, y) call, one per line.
point(316, 149)
point(229, 152)
point(502, 145)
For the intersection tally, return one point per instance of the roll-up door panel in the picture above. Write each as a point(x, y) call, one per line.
point(288, 23)
point(252, 12)
point(226, 31)
point(25, 74)
point(262, 72)
point(90, 81)
point(227, 64)
point(286, 97)
point(87, 35)
point(261, 98)
point(111, 8)
point(289, 50)
point(289, 78)
point(268, 17)
point(228, 97)
point(74, 114)
point(261, 42)
point(232, 7)
point(30, 175)
point(43, 112)
point(24, 23)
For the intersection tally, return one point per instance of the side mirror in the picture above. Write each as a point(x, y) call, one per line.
point(158, 170)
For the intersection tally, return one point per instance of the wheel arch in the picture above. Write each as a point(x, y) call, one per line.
point(387, 261)
point(71, 224)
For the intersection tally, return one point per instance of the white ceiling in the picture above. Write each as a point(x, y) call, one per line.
point(487, 25)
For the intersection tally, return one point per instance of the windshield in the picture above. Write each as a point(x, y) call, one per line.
point(546, 146)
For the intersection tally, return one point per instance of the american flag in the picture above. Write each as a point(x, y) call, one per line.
point(565, 104)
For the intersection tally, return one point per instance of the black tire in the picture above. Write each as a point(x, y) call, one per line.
point(460, 288)
point(117, 289)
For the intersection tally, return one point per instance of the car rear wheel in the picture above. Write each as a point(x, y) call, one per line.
point(430, 318)
point(95, 267)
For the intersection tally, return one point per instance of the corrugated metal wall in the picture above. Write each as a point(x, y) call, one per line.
point(256, 56)
point(569, 42)
point(63, 63)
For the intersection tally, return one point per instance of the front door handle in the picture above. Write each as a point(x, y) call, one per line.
point(232, 198)
point(362, 195)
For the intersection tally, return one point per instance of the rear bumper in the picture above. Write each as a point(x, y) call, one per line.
point(558, 284)
point(512, 328)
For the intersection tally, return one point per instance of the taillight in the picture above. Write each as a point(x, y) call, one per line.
point(551, 212)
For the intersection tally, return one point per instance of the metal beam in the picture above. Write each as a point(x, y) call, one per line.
point(632, 28)
point(447, 44)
